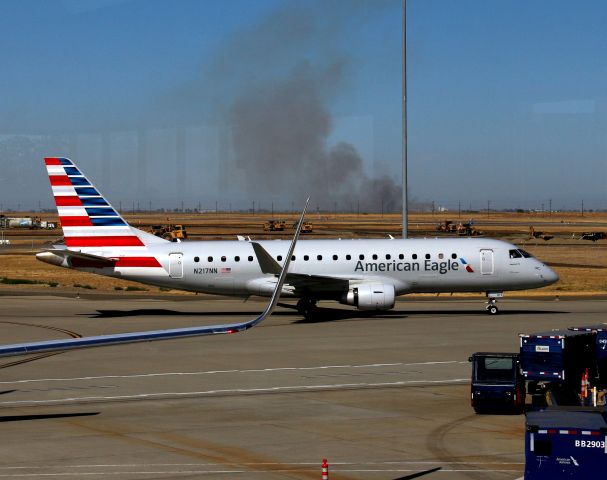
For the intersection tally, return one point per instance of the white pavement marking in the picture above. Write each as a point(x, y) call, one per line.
point(255, 467)
point(214, 372)
point(231, 472)
point(294, 388)
point(250, 464)
point(163, 472)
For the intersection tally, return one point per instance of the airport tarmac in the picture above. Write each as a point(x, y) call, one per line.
point(381, 397)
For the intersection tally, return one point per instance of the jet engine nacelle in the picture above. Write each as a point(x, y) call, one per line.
point(373, 296)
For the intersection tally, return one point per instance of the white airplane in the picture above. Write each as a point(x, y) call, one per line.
point(367, 274)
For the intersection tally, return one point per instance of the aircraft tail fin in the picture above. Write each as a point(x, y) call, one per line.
point(88, 220)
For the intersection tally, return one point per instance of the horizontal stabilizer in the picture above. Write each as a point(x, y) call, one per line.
point(69, 258)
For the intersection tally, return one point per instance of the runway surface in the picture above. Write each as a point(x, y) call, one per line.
point(382, 397)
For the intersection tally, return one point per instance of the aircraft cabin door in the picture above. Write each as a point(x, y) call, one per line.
point(176, 265)
point(486, 262)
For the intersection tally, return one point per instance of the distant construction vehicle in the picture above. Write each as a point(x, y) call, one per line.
point(593, 236)
point(462, 229)
point(169, 232)
point(16, 222)
point(274, 226)
point(447, 226)
point(534, 234)
point(157, 230)
point(305, 228)
point(25, 222)
point(467, 230)
point(37, 222)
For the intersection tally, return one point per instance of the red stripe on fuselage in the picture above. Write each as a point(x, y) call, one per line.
point(105, 241)
point(52, 161)
point(68, 201)
point(75, 222)
point(137, 262)
point(60, 180)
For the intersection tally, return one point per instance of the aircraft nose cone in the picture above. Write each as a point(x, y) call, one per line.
point(549, 275)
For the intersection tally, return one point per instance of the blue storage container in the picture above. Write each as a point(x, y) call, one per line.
point(565, 445)
point(558, 355)
point(601, 350)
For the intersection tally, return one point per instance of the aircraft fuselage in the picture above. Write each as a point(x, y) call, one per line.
point(411, 266)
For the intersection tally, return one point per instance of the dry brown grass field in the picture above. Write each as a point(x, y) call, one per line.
point(581, 264)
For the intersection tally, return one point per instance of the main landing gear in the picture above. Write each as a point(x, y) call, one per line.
point(306, 307)
point(492, 302)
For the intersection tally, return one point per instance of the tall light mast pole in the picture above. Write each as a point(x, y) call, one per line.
point(404, 136)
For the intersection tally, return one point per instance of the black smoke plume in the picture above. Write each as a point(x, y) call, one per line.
point(271, 88)
point(280, 120)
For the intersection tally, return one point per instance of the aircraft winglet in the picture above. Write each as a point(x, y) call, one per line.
point(283, 274)
point(152, 335)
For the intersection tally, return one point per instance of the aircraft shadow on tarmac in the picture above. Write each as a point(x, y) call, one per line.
point(142, 312)
point(482, 312)
point(335, 314)
point(322, 314)
point(47, 416)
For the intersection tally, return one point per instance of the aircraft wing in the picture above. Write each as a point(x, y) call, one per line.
point(316, 283)
point(147, 336)
point(300, 281)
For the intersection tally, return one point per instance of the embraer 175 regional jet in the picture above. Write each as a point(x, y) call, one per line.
point(367, 274)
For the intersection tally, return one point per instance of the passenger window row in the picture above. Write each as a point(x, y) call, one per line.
point(224, 259)
point(361, 256)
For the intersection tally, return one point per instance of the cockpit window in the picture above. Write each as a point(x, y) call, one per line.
point(525, 254)
point(515, 254)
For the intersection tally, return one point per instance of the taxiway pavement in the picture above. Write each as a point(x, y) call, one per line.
point(381, 397)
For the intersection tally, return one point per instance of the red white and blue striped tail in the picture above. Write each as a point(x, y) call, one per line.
point(90, 224)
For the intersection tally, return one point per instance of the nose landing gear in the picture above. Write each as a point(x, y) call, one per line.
point(492, 302)
point(492, 307)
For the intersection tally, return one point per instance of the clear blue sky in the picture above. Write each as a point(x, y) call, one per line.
point(508, 100)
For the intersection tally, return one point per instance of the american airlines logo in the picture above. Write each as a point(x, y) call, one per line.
point(395, 266)
point(468, 267)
